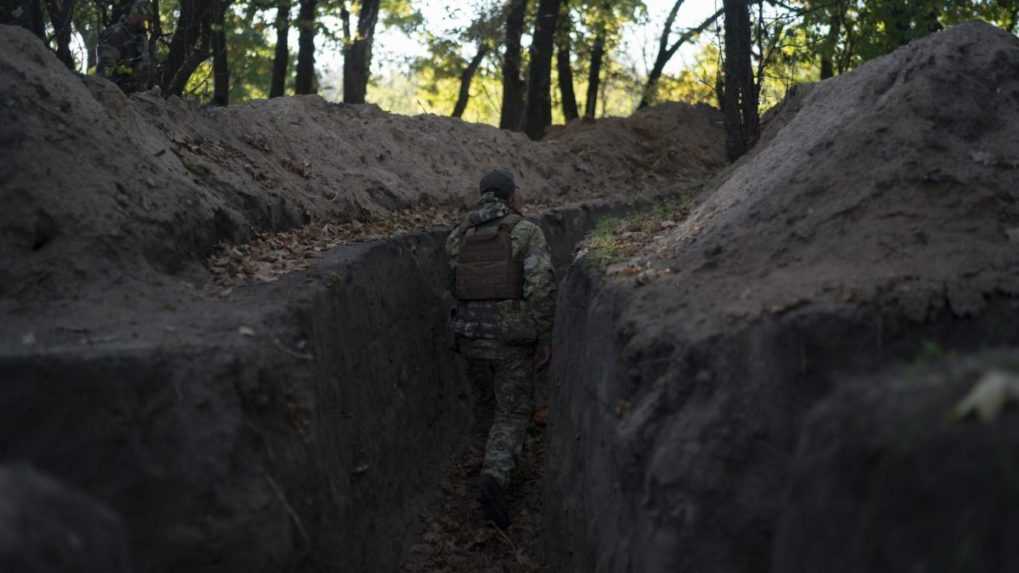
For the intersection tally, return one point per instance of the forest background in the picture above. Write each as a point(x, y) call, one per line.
point(472, 59)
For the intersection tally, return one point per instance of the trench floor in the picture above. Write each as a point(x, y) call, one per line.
point(455, 537)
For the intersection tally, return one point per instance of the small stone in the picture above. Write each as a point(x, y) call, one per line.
point(982, 157)
point(28, 339)
point(246, 331)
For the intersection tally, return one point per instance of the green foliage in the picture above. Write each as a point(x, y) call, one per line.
point(866, 29)
point(696, 84)
point(250, 49)
point(796, 38)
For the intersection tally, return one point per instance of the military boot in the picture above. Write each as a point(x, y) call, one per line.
point(493, 502)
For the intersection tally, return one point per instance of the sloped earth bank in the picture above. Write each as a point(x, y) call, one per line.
point(879, 224)
point(103, 190)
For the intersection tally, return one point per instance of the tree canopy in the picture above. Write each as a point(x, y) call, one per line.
point(466, 55)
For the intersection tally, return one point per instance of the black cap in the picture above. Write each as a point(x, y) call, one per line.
point(498, 181)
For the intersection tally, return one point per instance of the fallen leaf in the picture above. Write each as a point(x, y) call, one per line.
point(989, 396)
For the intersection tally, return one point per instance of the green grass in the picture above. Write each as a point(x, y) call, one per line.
point(615, 239)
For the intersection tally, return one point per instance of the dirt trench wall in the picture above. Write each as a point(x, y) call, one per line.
point(672, 451)
point(902, 444)
point(302, 429)
point(878, 221)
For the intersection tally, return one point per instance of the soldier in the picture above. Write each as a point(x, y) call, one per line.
point(505, 288)
point(123, 50)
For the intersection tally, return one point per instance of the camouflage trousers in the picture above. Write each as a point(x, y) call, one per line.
point(509, 371)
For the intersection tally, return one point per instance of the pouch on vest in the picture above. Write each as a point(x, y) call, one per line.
point(486, 268)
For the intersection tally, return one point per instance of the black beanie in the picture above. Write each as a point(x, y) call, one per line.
point(500, 182)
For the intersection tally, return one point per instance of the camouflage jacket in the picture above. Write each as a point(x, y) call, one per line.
point(513, 321)
point(123, 56)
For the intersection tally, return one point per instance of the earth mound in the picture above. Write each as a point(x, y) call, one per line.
point(879, 217)
point(100, 187)
point(898, 182)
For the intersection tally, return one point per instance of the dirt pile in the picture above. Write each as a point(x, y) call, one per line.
point(900, 179)
point(653, 148)
point(98, 186)
point(880, 218)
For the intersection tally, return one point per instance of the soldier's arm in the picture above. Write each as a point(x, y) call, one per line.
point(539, 283)
point(453, 242)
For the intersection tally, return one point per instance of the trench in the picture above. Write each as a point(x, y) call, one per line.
point(677, 454)
point(340, 434)
point(319, 438)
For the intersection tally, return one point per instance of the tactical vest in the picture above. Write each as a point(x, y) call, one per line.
point(486, 268)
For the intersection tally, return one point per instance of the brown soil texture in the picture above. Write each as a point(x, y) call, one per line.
point(888, 446)
point(879, 216)
point(103, 188)
point(455, 537)
point(898, 181)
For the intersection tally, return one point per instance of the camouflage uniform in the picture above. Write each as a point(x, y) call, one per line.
point(123, 52)
point(499, 338)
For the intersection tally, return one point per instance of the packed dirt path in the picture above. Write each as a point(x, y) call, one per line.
point(455, 538)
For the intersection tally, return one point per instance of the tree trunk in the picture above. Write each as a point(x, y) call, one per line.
point(220, 62)
point(188, 67)
point(358, 57)
point(25, 13)
point(189, 46)
point(594, 74)
point(91, 40)
point(89, 29)
point(661, 58)
point(565, 68)
point(7, 10)
point(538, 109)
point(155, 35)
point(830, 42)
point(306, 22)
point(282, 56)
point(466, 77)
point(666, 51)
point(60, 18)
point(512, 80)
point(740, 106)
point(651, 87)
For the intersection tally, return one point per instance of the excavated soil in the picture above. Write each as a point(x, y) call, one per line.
point(229, 324)
point(908, 168)
point(878, 217)
point(98, 186)
point(905, 443)
point(455, 537)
